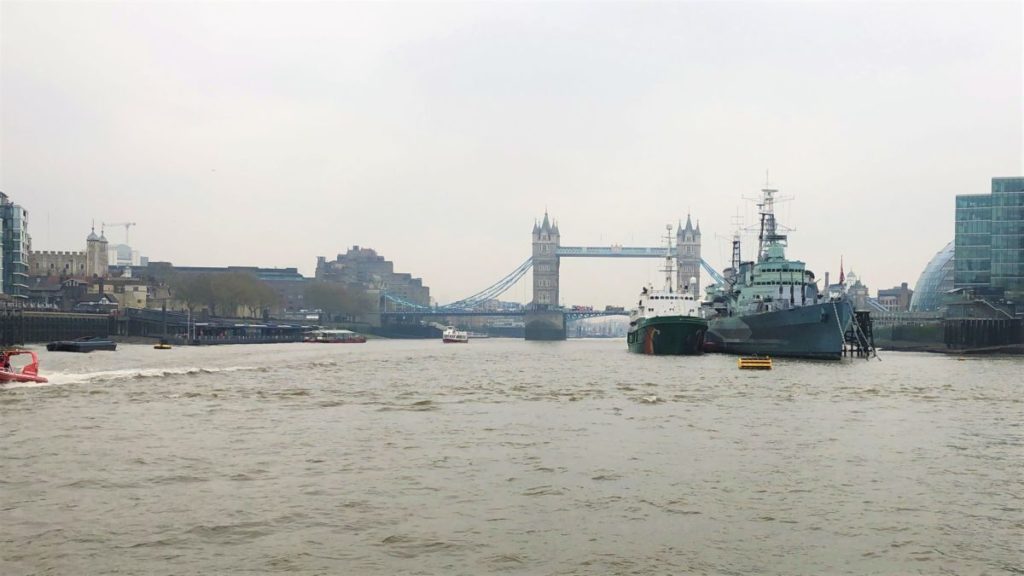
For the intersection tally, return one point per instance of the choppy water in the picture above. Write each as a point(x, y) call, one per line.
point(503, 456)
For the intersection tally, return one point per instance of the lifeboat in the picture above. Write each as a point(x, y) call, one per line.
point(29, 373)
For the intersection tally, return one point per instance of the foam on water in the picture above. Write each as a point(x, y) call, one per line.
point(66, 378)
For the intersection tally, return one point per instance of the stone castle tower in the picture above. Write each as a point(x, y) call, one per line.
point(688, 256)
point(96, 257)
point(545, 264)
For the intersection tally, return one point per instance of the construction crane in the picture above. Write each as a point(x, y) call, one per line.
point(126, 225)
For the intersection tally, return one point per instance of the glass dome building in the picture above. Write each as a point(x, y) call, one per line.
point(936, 280)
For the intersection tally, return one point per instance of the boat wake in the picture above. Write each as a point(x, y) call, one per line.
point(64, 378)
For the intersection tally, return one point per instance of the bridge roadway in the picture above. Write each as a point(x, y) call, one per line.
point(569, 314)
point(609, 252)
point(627, 252)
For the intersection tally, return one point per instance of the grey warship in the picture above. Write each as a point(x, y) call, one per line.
point(773, 306)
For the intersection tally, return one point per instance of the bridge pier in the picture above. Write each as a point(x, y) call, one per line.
point(545, 325)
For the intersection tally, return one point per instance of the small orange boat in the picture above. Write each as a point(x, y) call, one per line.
point(29, 373)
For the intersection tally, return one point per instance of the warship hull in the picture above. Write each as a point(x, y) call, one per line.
point(815, 331)
point(668, 335)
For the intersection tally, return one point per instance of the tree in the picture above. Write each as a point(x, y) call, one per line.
point(224, 291)
point(337, 299)
point(236, 290)
point(260, 296)
point(192, 289)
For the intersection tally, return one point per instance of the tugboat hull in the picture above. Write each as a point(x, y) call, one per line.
point(668, 335)
point(799, 332)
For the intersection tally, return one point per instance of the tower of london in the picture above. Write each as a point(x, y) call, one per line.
point(93, 262)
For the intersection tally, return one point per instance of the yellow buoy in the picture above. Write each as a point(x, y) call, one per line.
point(755, 362)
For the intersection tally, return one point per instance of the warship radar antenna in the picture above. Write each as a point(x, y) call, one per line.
point(769, 233)
point(729, 275)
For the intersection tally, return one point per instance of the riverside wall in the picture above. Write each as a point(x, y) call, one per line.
point(32, 327)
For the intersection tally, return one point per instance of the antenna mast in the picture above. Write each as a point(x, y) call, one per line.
point(769, 228)
point(736, 258)
point(668, 258)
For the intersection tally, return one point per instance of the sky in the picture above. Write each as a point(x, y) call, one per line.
point(270, 133)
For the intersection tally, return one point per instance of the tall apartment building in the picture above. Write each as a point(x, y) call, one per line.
point(364, 268)
point(15, 245)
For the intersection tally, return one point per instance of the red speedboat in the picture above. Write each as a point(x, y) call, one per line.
point(29, 373)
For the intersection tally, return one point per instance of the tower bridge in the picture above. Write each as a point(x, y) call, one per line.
point(544, 318)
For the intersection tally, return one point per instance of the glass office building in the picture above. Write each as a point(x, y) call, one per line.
point(973, 241)
point(15, 245)
point(989, 245)
point(936, 280)
point(1008, 236)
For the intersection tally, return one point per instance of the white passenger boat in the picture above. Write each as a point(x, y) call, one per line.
point(334, 337)
point(453, 336)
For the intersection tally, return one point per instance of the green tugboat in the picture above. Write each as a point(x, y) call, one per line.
point(667, 321)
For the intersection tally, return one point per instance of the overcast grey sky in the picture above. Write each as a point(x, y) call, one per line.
point(263, 133)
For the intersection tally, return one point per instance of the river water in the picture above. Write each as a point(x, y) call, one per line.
point(512, 457)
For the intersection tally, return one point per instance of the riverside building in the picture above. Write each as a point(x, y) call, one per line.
point(15, 246)
point(92, 263)
point(896, 299)
point(367, 270)
point(989, 243)
point(935, 281)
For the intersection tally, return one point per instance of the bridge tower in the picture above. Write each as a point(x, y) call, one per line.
point(545, 264)
point(545, 319)
point(688, 255)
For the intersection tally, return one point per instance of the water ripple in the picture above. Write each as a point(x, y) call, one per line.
point(509, 457)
